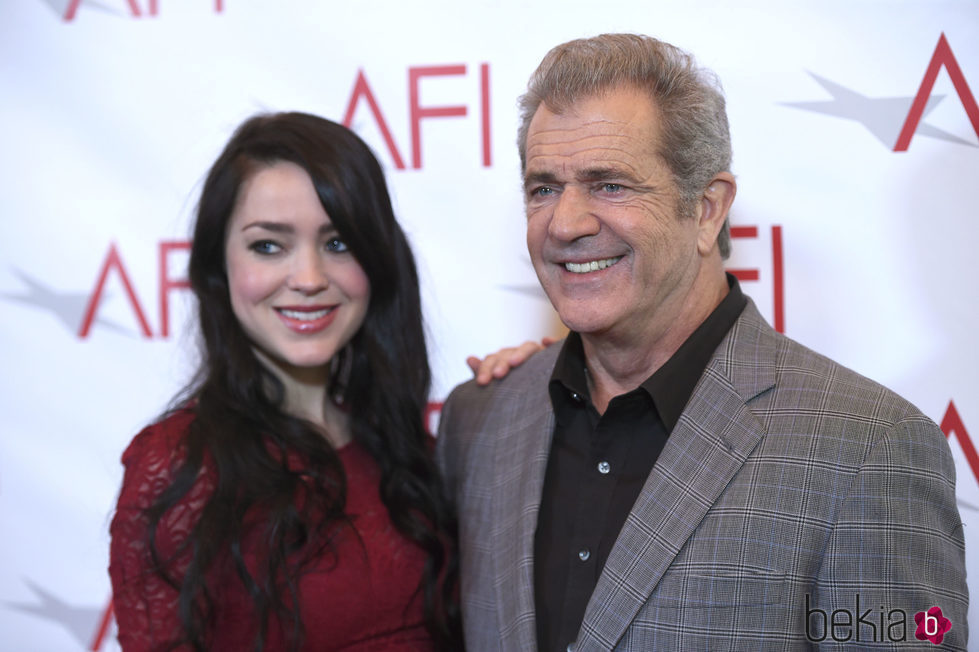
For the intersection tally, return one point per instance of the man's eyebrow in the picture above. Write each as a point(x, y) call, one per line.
point(588, 175)
point(534, 178)
point(606, 173)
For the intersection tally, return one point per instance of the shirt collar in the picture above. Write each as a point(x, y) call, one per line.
point(671, 385)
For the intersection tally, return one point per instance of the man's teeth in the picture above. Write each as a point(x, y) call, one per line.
point(592, 266)
point(305, 316)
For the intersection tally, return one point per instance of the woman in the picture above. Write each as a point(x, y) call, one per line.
point(291, 502)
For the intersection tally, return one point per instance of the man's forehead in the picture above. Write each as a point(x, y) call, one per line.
point(554, 128)
point(614, 99)
point(601, 140)
point(624, 113)
point(578, 144)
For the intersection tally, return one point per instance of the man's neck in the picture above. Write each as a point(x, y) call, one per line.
point(617, 364)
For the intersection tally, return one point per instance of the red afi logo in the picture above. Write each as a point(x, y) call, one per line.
point(417, 112)
point(152, 8)
point(942, 57)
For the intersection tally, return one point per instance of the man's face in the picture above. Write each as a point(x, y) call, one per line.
point(603, 226)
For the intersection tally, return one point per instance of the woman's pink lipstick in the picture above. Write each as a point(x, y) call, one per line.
point(306, 319)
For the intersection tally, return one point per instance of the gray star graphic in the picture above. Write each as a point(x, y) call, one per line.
point(534, 290)
point(883, 116)
point(531, 290)
point(68, 307)
point(81, 622)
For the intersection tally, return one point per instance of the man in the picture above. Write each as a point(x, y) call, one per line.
point(677, 475)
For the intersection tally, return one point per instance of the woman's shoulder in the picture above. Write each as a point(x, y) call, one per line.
point(163, 436)
point(157, 450)
point(151, 461)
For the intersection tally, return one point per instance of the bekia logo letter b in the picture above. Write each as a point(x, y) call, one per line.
point(932, 625)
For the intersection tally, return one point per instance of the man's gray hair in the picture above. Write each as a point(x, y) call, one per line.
point(696, 141)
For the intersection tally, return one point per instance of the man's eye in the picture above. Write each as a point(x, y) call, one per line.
point(543, 191)
point(265, 247)
point(611, 187)
point(336, 245)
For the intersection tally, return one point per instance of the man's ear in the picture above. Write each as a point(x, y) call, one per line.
point(715, 203)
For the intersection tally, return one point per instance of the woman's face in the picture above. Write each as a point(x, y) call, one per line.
point(296, 290)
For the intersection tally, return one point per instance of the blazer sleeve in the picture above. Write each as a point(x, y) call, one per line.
point(898, 542)
point(448, 443)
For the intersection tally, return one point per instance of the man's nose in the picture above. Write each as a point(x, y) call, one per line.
point(573, 216)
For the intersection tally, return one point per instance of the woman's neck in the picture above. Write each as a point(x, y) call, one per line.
point(307, 397)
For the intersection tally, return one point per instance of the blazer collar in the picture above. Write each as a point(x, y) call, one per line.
point(520, 460)
point(710, 443)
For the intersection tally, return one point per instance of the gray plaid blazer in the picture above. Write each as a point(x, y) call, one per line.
point(791, 488)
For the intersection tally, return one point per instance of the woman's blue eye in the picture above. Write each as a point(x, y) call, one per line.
point(265, 247)
point(337, 245)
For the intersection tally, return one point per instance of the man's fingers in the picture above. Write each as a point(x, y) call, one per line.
point(499, 364)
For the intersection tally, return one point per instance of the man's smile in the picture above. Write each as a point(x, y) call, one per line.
point(591, 266)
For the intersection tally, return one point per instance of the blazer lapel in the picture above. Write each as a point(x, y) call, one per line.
point(520, 461)
point(710, 443)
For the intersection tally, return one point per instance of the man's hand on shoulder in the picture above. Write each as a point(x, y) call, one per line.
point(499, 364)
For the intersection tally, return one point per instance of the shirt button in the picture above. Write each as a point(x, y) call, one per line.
point(584, 554)
point(576, 397)
point(604, 467)
point(570, 647)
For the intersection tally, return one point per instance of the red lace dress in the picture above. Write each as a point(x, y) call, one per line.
point(360, 600)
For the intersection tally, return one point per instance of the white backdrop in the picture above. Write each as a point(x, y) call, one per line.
point(112, 110)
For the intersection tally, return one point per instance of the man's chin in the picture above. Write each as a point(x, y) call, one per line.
point(585, 322)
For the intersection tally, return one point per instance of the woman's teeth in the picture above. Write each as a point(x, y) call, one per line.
point(305, 315)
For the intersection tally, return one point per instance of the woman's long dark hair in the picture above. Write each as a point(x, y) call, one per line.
point(382, 376)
